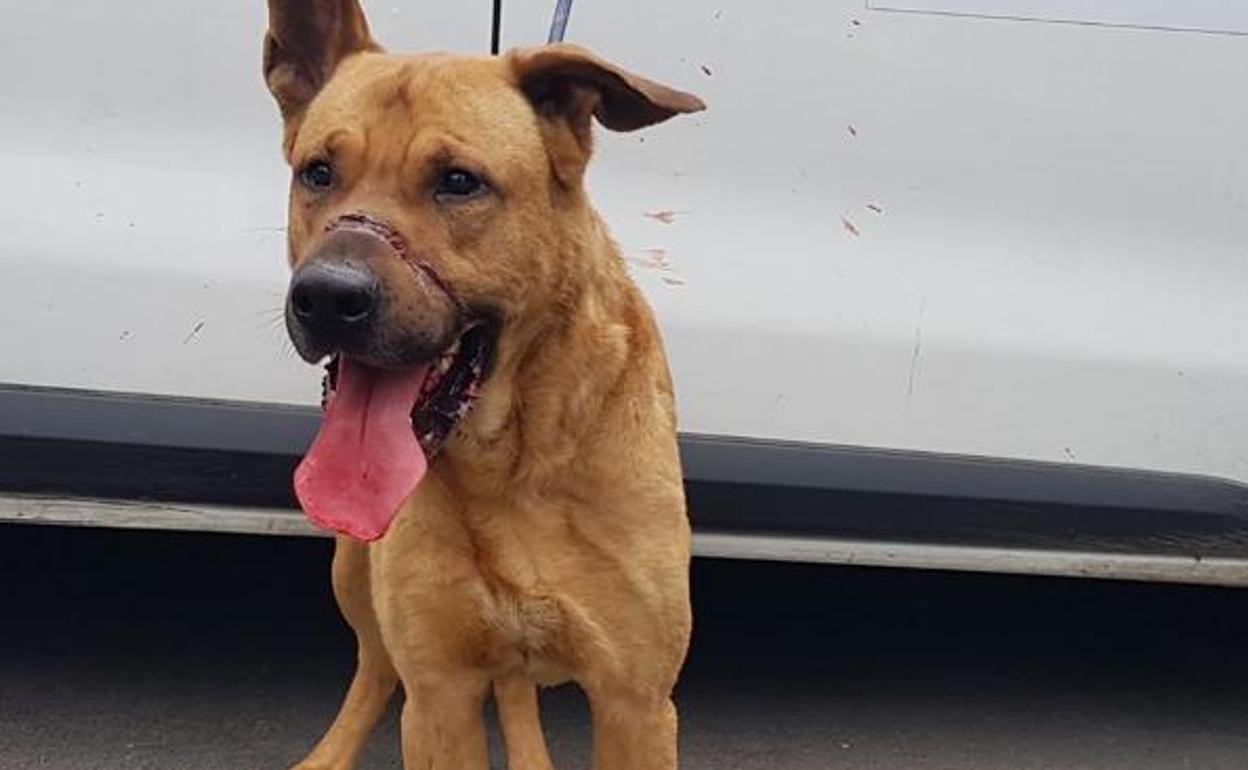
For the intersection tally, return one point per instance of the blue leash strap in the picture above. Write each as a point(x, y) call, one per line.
point(559, 24)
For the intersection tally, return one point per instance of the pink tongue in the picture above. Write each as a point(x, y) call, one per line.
point(365, 460)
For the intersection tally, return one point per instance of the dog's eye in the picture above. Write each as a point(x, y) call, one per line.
point(317, 175)
point(457, 183)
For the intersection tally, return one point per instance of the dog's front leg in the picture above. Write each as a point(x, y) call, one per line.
point(632, 731)
point(443, 726)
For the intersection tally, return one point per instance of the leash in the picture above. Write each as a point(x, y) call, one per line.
point(496, 26)
point(558, 24)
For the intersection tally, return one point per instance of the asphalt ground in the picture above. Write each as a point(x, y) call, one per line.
point(174, 651)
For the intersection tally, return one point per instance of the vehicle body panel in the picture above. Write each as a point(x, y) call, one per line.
point(1007, 239)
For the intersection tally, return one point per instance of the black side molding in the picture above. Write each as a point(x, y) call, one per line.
point(277, 429)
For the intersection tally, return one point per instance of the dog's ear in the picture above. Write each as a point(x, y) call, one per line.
point(305, 42)
point(568, 85)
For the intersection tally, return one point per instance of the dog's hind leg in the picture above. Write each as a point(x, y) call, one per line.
point(375, 678)
point(519, 715)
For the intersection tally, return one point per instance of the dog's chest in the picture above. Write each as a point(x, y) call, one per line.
point(499, 597)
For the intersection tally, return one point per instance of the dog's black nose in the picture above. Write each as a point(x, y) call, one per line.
point(333, 299)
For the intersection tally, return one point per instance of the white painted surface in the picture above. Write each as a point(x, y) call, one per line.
point(142, 219)
point(1229, 16)
point(1057, 271)
point(813, 550)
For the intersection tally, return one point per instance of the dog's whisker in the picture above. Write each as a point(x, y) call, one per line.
point(270, 318)
point(283, 349)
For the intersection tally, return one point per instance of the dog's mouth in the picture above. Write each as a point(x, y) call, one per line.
point(448, 389)
point(382, 426)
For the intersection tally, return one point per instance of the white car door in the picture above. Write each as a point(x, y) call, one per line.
point(997, 237)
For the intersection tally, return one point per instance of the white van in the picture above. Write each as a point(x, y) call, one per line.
point(945, 283)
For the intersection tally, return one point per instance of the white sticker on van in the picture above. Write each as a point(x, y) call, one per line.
point(1225, 16)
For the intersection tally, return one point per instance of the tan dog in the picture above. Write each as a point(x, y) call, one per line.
point(445, 256)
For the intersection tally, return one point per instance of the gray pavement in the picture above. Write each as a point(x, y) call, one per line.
point(192, 652)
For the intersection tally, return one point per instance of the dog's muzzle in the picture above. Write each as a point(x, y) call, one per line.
point(358, 294)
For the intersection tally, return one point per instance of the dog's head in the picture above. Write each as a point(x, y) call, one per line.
point(429, 210)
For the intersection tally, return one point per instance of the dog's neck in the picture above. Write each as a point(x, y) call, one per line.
point(556, 383)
